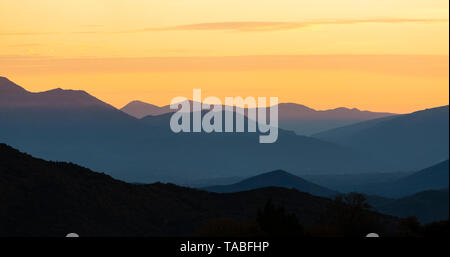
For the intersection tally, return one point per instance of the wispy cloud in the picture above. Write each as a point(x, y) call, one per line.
point(23, 45)
point(259, 26)
point(26, 33)
point(237, 26)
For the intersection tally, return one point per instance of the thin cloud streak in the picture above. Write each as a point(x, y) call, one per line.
point(257, 26)
point(27, 33)
point(241, 26)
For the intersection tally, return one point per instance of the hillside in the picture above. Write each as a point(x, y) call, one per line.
point(428, 206)
point(41, 198)
point(276, 178)
point(432, 178)
point(435, 177)
point(406, 142)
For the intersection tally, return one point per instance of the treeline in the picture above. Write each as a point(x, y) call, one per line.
point(346, 216)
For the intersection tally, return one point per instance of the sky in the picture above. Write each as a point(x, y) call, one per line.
point(378, 55)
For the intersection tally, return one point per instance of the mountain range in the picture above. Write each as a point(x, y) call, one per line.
point(73, 126)
point(41, 198)
point(295, 117)
point(96, 135)
point(406, 142)
point(69, 125)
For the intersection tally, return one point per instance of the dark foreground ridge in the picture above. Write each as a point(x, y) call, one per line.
point(41, 198)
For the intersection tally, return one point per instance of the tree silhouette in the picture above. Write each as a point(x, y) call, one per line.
point(409, 226)
point(274, 221)
point(347, 215)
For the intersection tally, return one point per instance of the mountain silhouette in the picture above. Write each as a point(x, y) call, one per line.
point(295, 117)
point(96, 135)
point(140, 109)
point(278, 178)
point(41, 198)
point(306, 121)
point(428, 206)
point(435, 177)
point(14, 96)
point(406, 142)
point(9, 87)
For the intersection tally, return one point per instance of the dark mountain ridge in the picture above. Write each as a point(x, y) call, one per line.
point(41, 198)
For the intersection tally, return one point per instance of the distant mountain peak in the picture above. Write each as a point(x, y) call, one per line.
point(295, 107)
point(139, 102)
point(14, 96)
point(7, 86)
point(140, 109)
point(71, 92)
point(276, 178)
point(275, 174)
point(345, 109)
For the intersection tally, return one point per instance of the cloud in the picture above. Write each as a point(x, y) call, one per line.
point(258, 26)
point(23, 45)
point(238, 26)
point(26, 33)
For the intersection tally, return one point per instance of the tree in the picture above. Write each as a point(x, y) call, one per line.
point(409, 226)
point(347, 215)
point(274, 221)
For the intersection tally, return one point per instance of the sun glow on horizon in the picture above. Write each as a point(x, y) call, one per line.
point(389, 56)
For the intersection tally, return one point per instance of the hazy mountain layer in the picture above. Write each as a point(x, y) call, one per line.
point(277, 178)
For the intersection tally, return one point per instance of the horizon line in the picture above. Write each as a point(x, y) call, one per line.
point(188, 99)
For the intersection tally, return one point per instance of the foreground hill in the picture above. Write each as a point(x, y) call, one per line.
point(427, 206)
point(407, 142)
point(76, 127)
point(276, 178)
point(41, 198)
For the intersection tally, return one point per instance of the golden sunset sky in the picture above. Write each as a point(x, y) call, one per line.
point(379, 55)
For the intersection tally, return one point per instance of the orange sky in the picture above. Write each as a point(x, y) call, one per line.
point(380, 55)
